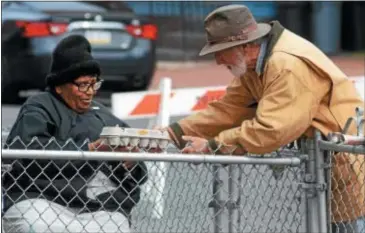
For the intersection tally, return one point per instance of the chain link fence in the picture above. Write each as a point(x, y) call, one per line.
point(347, 196)
point(202, 193)
point(311, 185)
point(344, 154)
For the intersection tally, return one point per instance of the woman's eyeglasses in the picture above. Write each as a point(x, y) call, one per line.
point(84, 87)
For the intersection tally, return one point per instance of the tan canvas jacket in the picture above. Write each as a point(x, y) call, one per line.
point(298, 89)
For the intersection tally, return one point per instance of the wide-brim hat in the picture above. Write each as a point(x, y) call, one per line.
point(229, 26)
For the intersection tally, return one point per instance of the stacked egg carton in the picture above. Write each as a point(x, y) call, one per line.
point(132, 137)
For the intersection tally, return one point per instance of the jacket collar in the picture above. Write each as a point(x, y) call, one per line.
point(268, 45)
point(260, 59)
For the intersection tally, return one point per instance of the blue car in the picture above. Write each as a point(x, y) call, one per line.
point(122, 42)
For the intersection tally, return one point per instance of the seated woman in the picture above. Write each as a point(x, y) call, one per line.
point(61, 195)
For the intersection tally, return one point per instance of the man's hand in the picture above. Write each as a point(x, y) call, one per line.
point(232, 150)
point(196, 145)
point(200, 145)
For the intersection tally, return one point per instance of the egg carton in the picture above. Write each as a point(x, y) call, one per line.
point(142, 138)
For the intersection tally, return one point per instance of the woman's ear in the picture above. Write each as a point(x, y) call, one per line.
point(58, 89)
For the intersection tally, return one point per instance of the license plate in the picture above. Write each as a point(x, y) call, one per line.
point(98, 37)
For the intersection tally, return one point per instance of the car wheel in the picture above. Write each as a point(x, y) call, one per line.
point(141, 83)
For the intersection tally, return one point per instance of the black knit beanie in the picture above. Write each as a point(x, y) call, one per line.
point(71, 59)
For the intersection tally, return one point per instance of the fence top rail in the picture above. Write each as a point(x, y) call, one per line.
point(144, 156)
point(330, 146)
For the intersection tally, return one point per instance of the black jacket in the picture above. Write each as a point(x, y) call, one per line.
point(45, 116)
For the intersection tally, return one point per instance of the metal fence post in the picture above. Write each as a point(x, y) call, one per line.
point(226, 198)
point(321, 182)
point(216, 203)
point(309, 187)
point(231, 198)
point(234, 198)
point(239, 197)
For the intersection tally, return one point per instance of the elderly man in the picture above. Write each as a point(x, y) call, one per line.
point(68, 196)
point(283, 88)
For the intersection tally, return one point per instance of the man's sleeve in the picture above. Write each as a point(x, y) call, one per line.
point(285, 112)
point(236, 105)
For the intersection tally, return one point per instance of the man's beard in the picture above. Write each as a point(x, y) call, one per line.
point(240, 68)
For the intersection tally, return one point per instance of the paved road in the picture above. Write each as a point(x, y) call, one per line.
point(266, 205)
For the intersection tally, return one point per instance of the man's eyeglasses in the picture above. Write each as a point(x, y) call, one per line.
point(84, 87)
